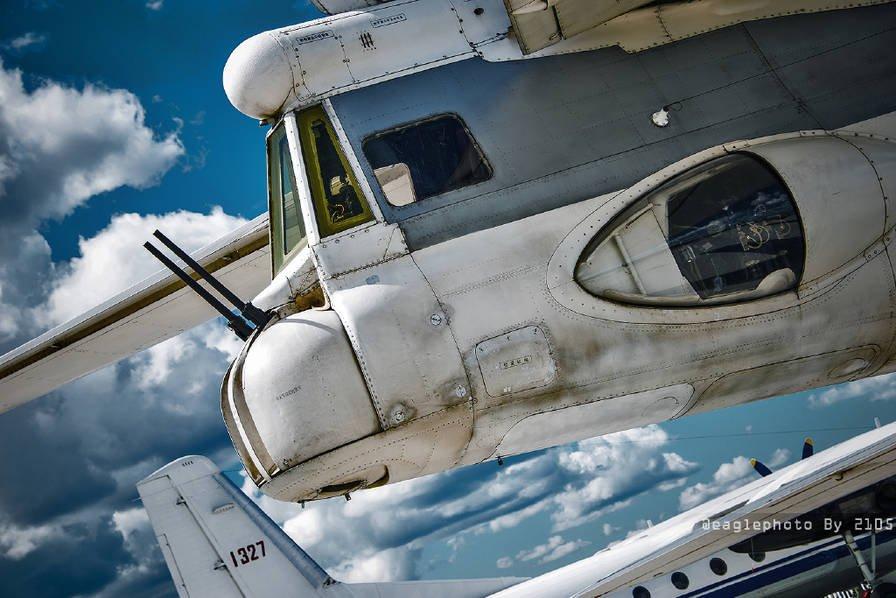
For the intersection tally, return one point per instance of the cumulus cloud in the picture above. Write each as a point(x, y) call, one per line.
point(87, 444)
point(22, 283)
point(61, 146)
point(85, 534)
point(620, 466)
point(880, 388)
point(115, 259)
point(380, 532)
point(727, 477)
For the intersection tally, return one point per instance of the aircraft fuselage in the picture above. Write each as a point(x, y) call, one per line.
point(530, 302)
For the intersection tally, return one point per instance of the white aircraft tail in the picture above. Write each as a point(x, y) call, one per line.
point(218, 543)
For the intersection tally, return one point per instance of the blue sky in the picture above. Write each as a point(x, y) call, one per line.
point(112, 122)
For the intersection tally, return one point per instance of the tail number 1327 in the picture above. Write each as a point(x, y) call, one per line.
point(247, 554)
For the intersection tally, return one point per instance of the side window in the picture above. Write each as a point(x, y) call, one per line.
point(722, 232)
point(425, 158)
point(338, 202)
point(287, 226)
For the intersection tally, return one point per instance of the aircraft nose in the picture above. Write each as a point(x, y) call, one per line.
point(257, 77)
point(297, 392)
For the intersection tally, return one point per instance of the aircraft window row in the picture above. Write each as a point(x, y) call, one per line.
point(681, 581)
point(287, 225)
point(338, 202)
point(425, 159)
point(723, 232)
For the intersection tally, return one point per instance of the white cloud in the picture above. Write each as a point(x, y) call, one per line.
point(223, 340)
point(505, 562)
point(727, 477)
point(129, 521)
point(155, 4)
point(555, 548)
point(26, 40)
point(672, 484)
point(378, 534)
point(18, 292)
point(59, 147)
point(516, 517)
point(622, 465)
point(17, 542)
point(62, 146)
point(115, 259)
point(779, 457)
point(384, 565)
point(155, 364)
point(879, 388)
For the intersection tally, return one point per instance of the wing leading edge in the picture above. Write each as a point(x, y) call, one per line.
point(806, 485)
point(146, 314)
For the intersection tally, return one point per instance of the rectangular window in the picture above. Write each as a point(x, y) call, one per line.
point(287, 226)
point(338, 202)
point(425, 158)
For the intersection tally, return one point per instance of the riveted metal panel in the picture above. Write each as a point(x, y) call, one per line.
point(567, 424)
point(561, 129)
point(402, 339)
point(787, 377)
point(516, 361)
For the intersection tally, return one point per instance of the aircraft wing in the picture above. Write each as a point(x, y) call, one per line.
point(148, 313)
point(828, 476)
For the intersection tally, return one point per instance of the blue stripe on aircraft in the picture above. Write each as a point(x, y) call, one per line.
point(781, 569)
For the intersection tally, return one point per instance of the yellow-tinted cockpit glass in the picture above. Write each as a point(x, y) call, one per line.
point(338, 202)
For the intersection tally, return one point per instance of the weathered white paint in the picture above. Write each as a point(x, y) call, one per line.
point(487, 340)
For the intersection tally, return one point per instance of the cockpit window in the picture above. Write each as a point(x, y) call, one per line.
point(425, 158)
point(723, 232)
point(287, 226)
point(338, 202)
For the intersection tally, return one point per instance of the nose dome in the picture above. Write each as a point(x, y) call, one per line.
point(299, 392)
point(257, 77)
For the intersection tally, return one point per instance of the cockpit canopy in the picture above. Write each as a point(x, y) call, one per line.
point(723, 232)
point(410, 163)
point(336, 197)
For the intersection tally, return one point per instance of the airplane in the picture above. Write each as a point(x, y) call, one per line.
point(499, 226)
point(824, 524)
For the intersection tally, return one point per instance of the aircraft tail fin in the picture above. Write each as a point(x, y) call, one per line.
point(217, 542)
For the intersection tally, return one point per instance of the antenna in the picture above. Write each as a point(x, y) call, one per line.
point(235, 322)
point(248, 311)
